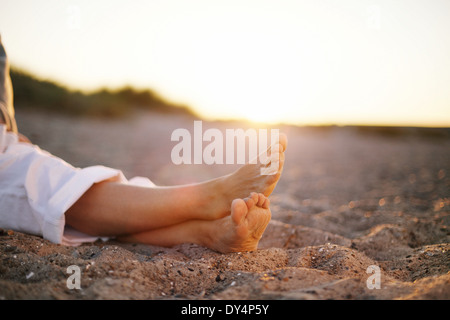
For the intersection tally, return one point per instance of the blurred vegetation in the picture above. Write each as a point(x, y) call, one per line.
point(30, 92)
point(402, 132)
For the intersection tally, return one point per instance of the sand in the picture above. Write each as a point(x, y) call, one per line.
point(349, 199)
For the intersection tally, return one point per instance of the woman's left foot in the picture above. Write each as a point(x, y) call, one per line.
point(242, 230)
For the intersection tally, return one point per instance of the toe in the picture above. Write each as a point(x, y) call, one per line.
point(283, 141)
point(261, 199)
point(276, 148)
point(249, 202)
point(266, 203)
point(238, 210)
point(252, 200)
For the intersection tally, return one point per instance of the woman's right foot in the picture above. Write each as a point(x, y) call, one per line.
point(249, 178)
point(258, 177)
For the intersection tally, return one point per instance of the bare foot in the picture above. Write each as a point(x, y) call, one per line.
point(249, 177)
point(242, 230)
point(246, 179)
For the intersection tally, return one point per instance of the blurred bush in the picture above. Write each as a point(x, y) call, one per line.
point(30, 92)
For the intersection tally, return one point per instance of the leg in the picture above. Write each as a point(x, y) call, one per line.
point(113, 209)
point(241, 231)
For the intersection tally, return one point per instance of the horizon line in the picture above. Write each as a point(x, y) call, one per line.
point(72, 88)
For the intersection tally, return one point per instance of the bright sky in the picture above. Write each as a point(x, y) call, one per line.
point(306, 62)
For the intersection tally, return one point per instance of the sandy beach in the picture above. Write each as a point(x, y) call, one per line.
point(350, 200)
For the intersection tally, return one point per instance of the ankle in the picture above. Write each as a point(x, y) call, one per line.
point(202, 233)
point(214, 203)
